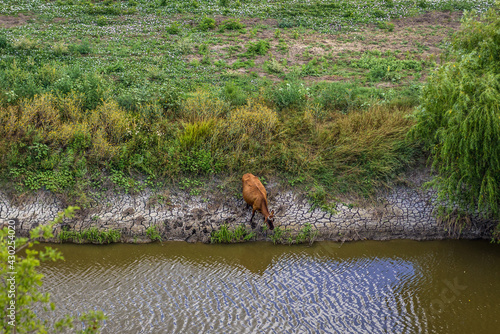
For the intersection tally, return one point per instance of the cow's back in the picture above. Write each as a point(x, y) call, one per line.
point(253, 189)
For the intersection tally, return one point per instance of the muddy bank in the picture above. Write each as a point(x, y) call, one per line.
point(404, 212)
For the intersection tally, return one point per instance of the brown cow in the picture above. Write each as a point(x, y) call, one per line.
point(255, 195)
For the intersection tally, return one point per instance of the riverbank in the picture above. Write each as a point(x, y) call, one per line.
point(404, 212)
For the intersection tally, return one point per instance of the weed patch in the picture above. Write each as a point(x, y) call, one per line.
point(225, 235)
point(92, 235)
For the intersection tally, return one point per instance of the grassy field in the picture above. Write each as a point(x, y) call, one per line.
point(100, 96)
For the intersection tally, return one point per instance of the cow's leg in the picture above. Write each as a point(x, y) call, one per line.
point(252, 224)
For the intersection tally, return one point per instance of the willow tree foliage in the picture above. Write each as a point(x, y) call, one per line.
point(20, 298)
point(459, 117)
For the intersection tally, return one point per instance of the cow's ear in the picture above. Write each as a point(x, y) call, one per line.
point(272, 213)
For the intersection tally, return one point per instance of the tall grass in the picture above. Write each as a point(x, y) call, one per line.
point(53, 142)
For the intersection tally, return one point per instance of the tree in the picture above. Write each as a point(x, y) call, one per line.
point(20, 283)
point(459, 118)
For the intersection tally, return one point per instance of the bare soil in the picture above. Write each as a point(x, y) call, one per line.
point(14, 21)
point(421, 36)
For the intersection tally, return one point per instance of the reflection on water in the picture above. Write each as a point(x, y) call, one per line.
point(364, 287)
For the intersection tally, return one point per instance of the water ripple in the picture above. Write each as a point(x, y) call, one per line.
point(295, 293)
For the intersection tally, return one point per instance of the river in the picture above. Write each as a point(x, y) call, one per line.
point(395, 286)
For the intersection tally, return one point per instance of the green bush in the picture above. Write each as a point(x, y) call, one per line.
point(174, 28)
point(101, 21)
point(4, 42)
point(459, 118)
point(257, 48)
point(198, 161)
point(234, 94)
point(82, 48)
point(207, 23)
point(28, 297)
point(153, 233)
point(225, 235)
point(385, 25)
point(289, 94)
point(231, 24)
point(92, 234)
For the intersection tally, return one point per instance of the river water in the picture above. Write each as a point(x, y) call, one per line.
point(361, 287)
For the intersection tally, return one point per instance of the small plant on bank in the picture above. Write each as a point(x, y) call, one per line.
point(277, 236)
point(286, 236)
point(153, 233)
point(92, 235)
point(226, 236)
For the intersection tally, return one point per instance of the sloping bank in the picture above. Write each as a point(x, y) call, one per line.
point(405, 212)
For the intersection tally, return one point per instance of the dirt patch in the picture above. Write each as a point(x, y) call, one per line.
point(60, 20)
point(431, 18)
point(14, 21)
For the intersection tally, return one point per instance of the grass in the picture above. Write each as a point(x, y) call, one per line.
point(120, 96)
point(92, 235)
point(287, 236)
point(153, 233)
point(225, 235)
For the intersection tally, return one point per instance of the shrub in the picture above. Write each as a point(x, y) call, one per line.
point(24, 43)
point(385, 25)
point(83, 48)
point(110, 119)
point(225, 235)
point(234, 94)
point(257, 48)
point(245, 134)
point(101, 21)
point(194, 134)
point(207, 23)
point(153, 233)
point(274, 66)
point(174, 28)
point(459, 118)
point(198, 161)
point(289, 94)
point(231, 24)
point(93, 89)
point(28, 280)
point(202, 106)
point(60, 48)
point(171, 97)
point(4, 42)
point(40, 113)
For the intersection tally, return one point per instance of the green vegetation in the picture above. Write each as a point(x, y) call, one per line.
point(26, 292)
point(92, 235)
point(225, 235)
point(288, 236)
point(153, 233)
point(459, 119)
